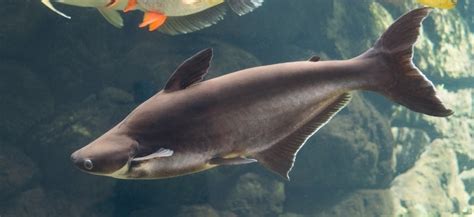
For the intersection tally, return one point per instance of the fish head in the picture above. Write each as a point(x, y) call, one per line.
point(86, 3)
point(107, 156)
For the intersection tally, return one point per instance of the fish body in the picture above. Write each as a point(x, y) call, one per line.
point(263, 114)
point(219, 118)
point(169, 16)
point(444, 4)
point(178, 8)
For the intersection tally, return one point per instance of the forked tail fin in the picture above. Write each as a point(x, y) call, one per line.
point(411, 88)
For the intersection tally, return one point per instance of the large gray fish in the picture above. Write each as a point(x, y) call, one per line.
point(262, 114)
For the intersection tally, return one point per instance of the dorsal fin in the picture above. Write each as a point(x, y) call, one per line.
point(281, 156)
point(191, 71)
point(314, 59)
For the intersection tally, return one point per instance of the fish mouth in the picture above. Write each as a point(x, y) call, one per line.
point(48, 4)
point(123, 173)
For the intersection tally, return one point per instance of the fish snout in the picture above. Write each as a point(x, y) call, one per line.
point(75, 157)
point(80, 162)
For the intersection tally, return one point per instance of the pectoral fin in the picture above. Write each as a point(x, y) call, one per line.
point(50, 6)
point(231, 161)
point(112, 16)
point(281, 156)
point(162, 152)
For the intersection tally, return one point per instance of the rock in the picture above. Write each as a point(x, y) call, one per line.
point(291, 215)
point(52, 142)
point(25, 98)
point(166, 196)
point(17, 172)
point(411, 144)
point(457, 128)
point(36, 202)
point(361, 203)
point(447, 50)
point(346, 29)
point(250, 195)
point(115, 95)
point(184, 211)
point(465, 8)
point(432, 187)
point(198, 211)
point(467, 178)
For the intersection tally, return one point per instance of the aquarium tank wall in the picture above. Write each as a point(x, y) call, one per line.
point(64, 82)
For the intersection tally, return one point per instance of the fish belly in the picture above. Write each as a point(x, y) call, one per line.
point(177, 7)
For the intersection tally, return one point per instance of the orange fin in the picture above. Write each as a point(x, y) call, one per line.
point(154, 19)
point(131, 5)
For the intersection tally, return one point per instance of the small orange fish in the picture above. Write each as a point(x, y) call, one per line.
point(171, 16)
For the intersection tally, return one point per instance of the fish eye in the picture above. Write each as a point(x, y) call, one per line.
point(88, 164)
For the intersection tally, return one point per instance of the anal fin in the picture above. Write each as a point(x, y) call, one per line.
point(153, 20)
point(194, 22)
point(281, 156)
point(242, 7)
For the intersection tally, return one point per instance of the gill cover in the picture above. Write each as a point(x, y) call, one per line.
point(50, 6)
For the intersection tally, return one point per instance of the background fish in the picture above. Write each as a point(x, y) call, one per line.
point(445, 4)
point(262, 114)
point(170, 16)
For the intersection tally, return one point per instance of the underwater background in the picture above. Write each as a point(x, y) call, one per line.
point(65, 82)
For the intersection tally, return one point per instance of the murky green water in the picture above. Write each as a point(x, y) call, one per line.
point(65, 82)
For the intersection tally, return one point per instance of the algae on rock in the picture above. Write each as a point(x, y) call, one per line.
point(432, 187)
point(252, 195)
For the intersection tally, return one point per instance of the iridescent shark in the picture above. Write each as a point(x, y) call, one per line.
point(263, 114)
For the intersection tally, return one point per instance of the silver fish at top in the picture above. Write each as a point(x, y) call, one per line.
point(169, 16)
point(263, 114)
